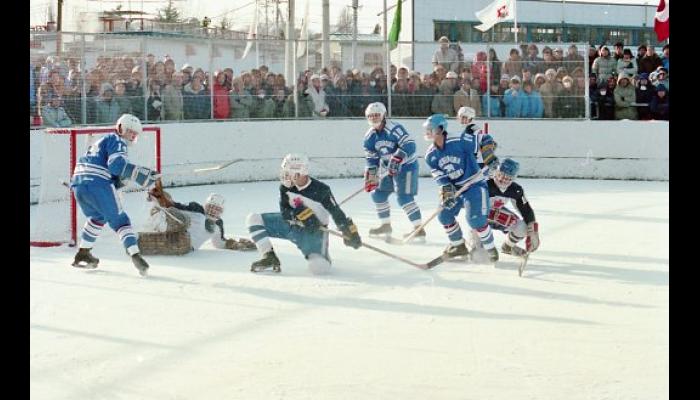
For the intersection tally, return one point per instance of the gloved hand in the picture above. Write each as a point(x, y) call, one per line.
point(161, 196)
point(371, 180)
point(142, 176)
point(395, 163)
point(305, 217)
point(448, 196)
point(350, 236)
point(533, 237)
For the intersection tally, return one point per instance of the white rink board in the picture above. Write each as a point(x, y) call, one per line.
point(589, 320)
point(553, 149)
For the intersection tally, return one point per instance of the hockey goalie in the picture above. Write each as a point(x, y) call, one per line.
point(174, 228)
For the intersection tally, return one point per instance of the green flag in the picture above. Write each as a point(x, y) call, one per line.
point(395, 27)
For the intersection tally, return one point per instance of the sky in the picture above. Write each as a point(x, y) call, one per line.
point(242, 17)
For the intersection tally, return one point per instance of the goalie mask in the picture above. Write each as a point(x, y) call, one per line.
point(214, 206)
point(293, 167)
point(505, 173)
point(375, 113)
point(129, 128)
point(466, 115)
point(434, 125)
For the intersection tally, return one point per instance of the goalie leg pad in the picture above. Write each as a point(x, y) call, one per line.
point(165, 243)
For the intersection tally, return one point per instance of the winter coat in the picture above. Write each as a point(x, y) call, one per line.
point(222, 108)
point(107, 112)
point(624, 97)
point(512, 68)
point(533, 107)
point(644, 97)
point(513, 100)
point(154, 107)
point(569, 105)
point(594, 96)
point(495, 104)
point(306, 106)
point(648, 64)
point(549, 91)
point(606, 104)
point(604, 67)
point(125, 106)
point(240, 104)
point(442, 102)
point(262, 108)
point(55, 117)
point(464, 99)
point(660, 107)
point(421, 101)
point(137, 99)
point(339, 103)
point(318, 97)
point(173, 107)
point(628, 68)
point(399, 104)
point(196, 103)
point(480, 70)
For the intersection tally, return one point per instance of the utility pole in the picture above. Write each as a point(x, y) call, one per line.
point(326, 56)
point(60, 15)
point(290, 59)
point(354, 32)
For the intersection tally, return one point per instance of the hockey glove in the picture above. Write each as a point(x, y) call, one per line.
point(142, 176)
point(395, 162)
point(161, 196)
point(305, 217)
point(371, 180)
point(533, 237)
point(447, 196)
point(350, 236)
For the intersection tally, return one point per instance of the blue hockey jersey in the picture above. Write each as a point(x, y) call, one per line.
point(455, 163)
point(383, 144)
point(104, 160)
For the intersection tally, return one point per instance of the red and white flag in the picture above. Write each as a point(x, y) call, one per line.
point(661, 21)
point(498, 11)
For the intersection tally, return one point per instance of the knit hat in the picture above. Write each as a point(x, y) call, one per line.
point(515, 78)
point(451, 75)
point(644, 75)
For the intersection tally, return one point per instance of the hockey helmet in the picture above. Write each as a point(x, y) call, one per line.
point(214, 206)
point(129, 128)
point(506, 171)
point(465, 115)
point(293, 166)
point(432, 124)
point(375, 113)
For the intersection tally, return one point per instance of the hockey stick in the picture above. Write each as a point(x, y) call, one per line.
point(472, 179)
point(168, 213)
point(360, 190)
point(386, 253)
point(218, 167)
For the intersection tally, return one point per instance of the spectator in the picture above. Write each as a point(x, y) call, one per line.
point(604, 66)
point(32, 91)
point(593, 95)
point(644, 92)
point(460, 57)
point(619, 51)
point(382, 93)
point(532, 61)
point(567, 104)
point(279, 98)
point(650, 61)
point(664, 59)
point(159, 75)
point(513, 99)
point(533, 107)
point(318, 96)
point(195, 100)
point(134, 90)
point(476, 84)
point(504, 84)
point(363, 94)
point(526, 75)
point(263, 106)
point(413, 88)
point(467, 97)
point(154, 102)
point(222, 107)
point(339, 99)
point(661, 78)
point(627, 65)
point(53, 113)
point(173, 108)
point(558, 57)
point(480, 69)
point(572, 57)
point(399, 99)
point(424, 96)
point(326, 83)
point(451, 78)
point(496, 66)
point(121, 98)
point(306, 105)
point(539, 81)
point(491, 103)
point(550, 91)
point(442, 102)
point(240, 100)
point(72, 97)
point(445, 56)
point(186, 74)
point(624, 97)
point(169, 71)
point(514, 65)
point(107, 109)
point(660, 104)
point(592, 55)
point(549, 61)
point(641, 52)
point(606, 100)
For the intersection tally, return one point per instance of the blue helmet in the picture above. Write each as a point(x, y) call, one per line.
point(434, 121)
point(509, 167)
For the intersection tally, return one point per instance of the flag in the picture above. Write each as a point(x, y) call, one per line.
point(661, 21)
point(395, 27)
point(252, 33)
point(498, 11)
point(303, 33)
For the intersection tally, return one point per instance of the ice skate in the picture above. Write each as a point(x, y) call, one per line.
point(269, 260)
point(140, 264)
point(83, 259)
point(512, 250)
point(419, 236)
point(493, 255)
point(456, 252)
point(383, 230)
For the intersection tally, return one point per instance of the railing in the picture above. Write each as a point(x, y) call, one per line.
point(90, 79)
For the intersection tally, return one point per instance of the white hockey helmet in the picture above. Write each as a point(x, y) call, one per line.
point(129, 128)
point(214, 206)
point(465, 115)
point(375, 113)
point(293, 166)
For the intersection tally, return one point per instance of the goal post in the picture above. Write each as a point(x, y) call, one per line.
point(54, 221)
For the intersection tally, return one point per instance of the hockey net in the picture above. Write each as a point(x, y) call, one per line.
point(56, 219)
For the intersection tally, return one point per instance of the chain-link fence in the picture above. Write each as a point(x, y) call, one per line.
point(91, 79)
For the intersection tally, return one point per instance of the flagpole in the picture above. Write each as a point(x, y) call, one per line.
point(515, 20)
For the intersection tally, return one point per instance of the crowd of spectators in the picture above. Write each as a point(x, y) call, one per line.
point(524, 85)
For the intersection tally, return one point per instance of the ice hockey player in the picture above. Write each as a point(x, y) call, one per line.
point(391, 166)
point(502, 190)
point(485, 146)
point(95, 179)
point(452, 164)
point(195, 225)
point(306, 205)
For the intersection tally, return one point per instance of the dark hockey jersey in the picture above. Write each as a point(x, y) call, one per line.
point(513, 194)
point(317, 196)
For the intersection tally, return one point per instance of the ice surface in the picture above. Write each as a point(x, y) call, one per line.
point(588, 320)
